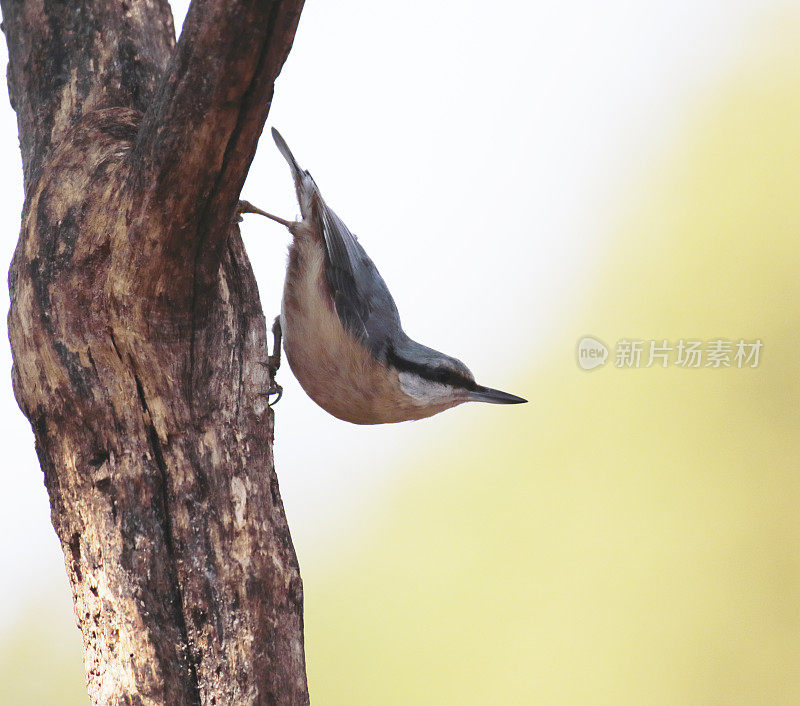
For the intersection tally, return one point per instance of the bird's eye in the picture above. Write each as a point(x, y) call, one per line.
point(438, 375)
point(446, 376)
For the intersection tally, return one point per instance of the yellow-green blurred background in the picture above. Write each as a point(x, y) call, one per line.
point(632, 536)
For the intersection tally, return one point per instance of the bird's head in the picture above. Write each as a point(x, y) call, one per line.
point(431, 378)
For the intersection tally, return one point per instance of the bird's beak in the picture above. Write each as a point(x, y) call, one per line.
point(487, 394)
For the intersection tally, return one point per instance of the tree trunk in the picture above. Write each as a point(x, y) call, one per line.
point(139, 343)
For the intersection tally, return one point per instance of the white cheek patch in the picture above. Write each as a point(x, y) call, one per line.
point(423, 391)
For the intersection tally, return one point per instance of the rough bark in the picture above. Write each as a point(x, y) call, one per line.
point(139, 343)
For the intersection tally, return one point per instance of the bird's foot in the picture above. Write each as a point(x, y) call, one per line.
point(247, 207)
point(274, 362)
point(277, 337)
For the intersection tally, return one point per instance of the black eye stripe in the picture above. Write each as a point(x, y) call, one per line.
point(441, 375)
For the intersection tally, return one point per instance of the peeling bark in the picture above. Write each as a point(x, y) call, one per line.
point(139, 343)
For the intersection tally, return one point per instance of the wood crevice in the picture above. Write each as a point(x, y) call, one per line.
point(163, 487)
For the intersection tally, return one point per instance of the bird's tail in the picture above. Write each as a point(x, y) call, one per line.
point(306, 188)
point(286, 152)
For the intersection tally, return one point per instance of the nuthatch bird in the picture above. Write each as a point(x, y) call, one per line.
point(341, 329)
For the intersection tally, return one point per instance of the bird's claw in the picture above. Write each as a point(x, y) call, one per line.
point(274, 389)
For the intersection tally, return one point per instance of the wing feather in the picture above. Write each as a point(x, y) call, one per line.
point(363, 301)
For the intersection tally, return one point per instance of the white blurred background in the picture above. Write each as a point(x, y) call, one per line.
point(477, 151)
point(472, 153)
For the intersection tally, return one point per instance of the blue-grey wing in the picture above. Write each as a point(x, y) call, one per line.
point(362, 299)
